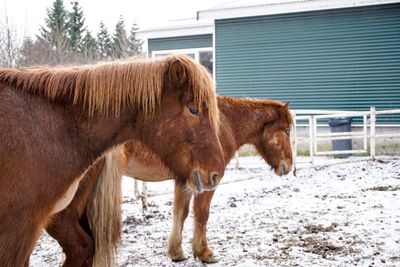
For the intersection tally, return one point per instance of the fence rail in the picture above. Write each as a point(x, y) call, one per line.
point(368, 121)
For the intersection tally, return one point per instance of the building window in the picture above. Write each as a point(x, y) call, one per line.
point(202, 55)
point(206, 59)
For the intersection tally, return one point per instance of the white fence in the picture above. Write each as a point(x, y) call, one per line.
point(368, 137)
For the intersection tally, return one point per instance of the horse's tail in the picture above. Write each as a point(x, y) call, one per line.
point(104, 208)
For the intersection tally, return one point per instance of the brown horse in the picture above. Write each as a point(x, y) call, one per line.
point(264, 123)
point(56, 122)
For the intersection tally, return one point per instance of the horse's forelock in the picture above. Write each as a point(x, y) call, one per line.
point(202, 86)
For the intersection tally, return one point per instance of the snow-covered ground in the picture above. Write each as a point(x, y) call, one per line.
point(341, 215)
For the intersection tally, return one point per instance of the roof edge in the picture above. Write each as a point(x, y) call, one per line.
point(283, 8)
point(197, 28)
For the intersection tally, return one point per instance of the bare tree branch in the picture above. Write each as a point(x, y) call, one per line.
point(9, 44)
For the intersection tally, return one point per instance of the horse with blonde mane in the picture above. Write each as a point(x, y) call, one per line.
point(56, 122)
point(265, 124)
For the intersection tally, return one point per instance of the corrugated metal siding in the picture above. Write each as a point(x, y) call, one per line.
point(180, 42)
point(338, 59)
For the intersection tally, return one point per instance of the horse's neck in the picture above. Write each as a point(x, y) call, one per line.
point(102, 133)
point(246, 122)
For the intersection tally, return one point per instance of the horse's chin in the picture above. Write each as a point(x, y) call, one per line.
point(278, 172)
point(202, 189)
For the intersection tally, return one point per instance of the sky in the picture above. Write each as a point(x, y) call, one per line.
point(28, 15)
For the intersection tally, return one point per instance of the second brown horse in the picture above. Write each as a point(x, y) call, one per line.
point(265, 124)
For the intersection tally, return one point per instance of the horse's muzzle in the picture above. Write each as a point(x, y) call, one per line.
point(201, 186)
point(282, 169)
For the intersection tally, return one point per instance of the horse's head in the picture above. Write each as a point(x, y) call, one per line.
point(183, 132)
point(274, 142)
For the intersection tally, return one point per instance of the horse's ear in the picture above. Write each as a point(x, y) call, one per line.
point(177, 72)
point(284, 109)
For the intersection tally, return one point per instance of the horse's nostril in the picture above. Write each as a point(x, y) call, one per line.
point(197, 181)
point(214, 178)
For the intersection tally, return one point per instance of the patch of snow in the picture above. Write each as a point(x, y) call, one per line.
point(342, 215)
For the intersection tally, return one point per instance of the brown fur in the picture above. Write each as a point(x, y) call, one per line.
point(56, 122)
point(242, 121)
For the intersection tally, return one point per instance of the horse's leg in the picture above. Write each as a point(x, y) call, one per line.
point(201, 208)
point(70, 227)
point(20, 221)
point(18, 234)
point(182, 198)
point(77, 244)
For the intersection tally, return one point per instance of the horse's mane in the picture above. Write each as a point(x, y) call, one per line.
point(228, 101)
point(107, 88)
point(267, 107)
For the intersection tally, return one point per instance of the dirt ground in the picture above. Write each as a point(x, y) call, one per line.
point(342, 215)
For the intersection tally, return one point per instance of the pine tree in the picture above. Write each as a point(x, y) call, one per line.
point(55, 32)
point(76, 22)
point(104, 44)
point(33, 53)
point(89, 47)
point(135, 45)
point(120, 40)
point(27, 51)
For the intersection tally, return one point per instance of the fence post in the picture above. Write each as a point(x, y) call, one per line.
point(365, 133)
point(294, 140)
point(135, 189)
point(372, 133)
point(237, 160)
point(315, 130)
point(144, 196)
point(311, 124)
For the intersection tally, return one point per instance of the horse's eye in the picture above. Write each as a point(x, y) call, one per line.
point(287, 131)
point(194, 111)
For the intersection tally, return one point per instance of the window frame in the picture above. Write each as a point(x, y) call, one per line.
point(195, 51)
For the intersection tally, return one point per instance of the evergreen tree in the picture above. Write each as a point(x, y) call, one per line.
point(55, 31)
point(89, 47)
point(104, 44)
point(120, 40)
point(33, 53)
point(135, 45)
point(76, 22)
point(27, 50)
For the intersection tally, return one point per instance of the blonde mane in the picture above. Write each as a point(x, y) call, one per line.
point(107, 88)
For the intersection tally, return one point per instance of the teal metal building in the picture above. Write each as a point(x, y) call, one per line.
point(180, 42)
point(315, 54)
